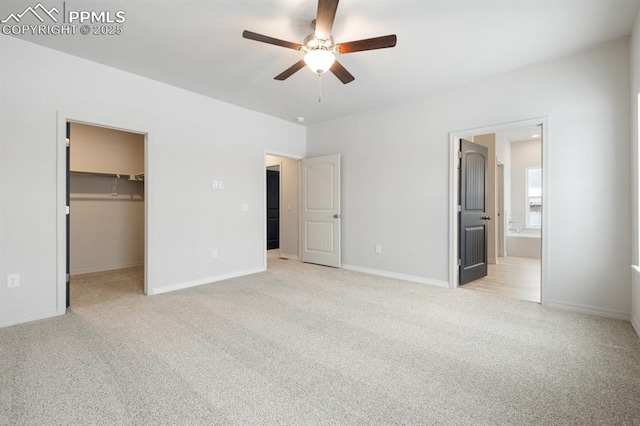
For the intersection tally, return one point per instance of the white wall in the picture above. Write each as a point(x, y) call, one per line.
point(523, 155)
point(289, 205)
point(635, 187)
point(192, 140)
point(396, 169)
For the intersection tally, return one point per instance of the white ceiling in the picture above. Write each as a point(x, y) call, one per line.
point(197, 45)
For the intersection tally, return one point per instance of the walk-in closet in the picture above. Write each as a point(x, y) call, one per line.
point(107, 213)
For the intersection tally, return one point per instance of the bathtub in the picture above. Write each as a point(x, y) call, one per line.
point(526, 243)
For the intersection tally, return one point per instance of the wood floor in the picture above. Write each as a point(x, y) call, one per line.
point(515, 277)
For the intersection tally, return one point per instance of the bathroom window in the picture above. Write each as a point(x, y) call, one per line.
point(534, 197)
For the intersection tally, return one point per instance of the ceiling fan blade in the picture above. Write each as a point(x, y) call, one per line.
point(270, 40)
point(341, 72)
point(367, 44)
point(324, 19)
point(291, 70)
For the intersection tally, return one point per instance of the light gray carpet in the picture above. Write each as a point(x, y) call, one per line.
point(304, 344)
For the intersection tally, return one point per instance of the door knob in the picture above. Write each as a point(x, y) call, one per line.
point(336, 216)
point(487, 218)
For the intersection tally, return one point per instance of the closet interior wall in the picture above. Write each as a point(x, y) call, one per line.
point(107, 199)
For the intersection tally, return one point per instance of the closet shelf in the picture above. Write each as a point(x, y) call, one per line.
point(138, 177)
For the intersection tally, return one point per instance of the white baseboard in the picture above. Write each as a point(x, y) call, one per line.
point(29, 318)
point(289, 256)
point(397, 276)
point(636, 325)
point(202, 281)
point(635, 298)
point(105, 268)
point(586, 309)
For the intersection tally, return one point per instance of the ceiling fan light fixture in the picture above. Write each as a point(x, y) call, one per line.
point(319, 60)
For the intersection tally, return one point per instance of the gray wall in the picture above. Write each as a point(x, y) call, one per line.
point(396, 174)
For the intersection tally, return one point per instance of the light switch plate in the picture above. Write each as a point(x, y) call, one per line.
point(13, 280)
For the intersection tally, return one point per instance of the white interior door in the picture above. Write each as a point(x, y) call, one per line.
point(321, 210)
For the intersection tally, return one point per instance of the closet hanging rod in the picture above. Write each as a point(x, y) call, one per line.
point(103, 174)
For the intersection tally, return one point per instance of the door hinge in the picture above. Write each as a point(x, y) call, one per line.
point(68, 277)
point(459, 208)
point(68, 210)
point(459, 262)
point(68, 142)
point(460, 154)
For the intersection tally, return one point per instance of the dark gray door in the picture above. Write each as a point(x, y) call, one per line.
point(273, 209)
point(473, 212)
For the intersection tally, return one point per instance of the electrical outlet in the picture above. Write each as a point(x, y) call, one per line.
point(214, 184)
point(378, 249)
point(214, 254)
point(13, 280)
point(245, 207)
point(220, 184)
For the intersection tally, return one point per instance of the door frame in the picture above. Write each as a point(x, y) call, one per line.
point(454, 143)
point(502, 239)
point(279, 166)
point(264, 205)
point(61, 217)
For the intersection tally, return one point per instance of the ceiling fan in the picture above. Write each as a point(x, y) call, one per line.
point(319, 46)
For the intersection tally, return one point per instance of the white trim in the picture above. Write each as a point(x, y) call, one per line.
point(454, 137)
point(635, 324)
point(282, 154)
point(105, 268)
point(203, 281)
point(397, 276)
point(635, 304)
point(289, 256)
point(586, 309)
point(29, 318)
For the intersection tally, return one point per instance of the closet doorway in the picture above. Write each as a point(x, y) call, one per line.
point(106, 220)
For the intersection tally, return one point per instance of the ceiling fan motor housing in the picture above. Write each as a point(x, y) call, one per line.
point(310, 42)
point(319, 46)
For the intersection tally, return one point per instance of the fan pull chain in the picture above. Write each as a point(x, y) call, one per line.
point(319, 87)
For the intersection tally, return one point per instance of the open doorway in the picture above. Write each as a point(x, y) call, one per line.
point(106, 221)
point(505, 254)
point(282, 194)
